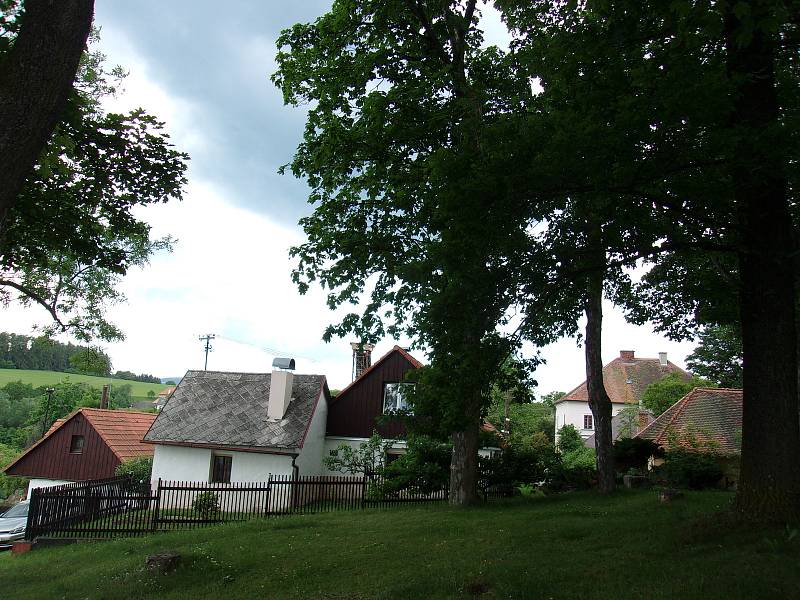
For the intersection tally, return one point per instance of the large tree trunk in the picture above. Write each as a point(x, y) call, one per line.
point(464, 464)
point(35, 81)
point(769, 485)
point(599, 401)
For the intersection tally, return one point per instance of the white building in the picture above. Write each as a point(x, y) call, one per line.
point(625, 379)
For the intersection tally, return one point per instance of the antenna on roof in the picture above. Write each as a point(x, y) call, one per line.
point(207, 337)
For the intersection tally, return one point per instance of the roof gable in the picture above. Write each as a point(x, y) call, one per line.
point(626, 379)
point(120, 431)
point(711, 416)
point(230, 410)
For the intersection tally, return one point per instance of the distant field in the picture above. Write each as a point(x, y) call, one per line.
point(36, 378)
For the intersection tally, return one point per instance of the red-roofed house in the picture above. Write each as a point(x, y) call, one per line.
point(625, 379)
point(87, 444)
point(705, 419)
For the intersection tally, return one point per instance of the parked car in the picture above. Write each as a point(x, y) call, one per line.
point(12, 524)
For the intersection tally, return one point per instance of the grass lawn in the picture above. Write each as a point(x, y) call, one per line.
point(569, 546)
point(139, 389)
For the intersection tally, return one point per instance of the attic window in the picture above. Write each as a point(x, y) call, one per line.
point(76, 444)
point(395, 397)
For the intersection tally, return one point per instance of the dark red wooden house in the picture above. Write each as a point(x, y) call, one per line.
point(87, 444)
point(355, 412)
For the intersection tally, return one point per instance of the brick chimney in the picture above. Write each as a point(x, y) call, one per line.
point(280, 388)
point(626, 354)
point(362, 358)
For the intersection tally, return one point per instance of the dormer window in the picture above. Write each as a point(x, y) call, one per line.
point(395, 397)
point(76, 444)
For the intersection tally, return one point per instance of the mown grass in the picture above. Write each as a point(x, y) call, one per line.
point(570, 546)
point(139, 389)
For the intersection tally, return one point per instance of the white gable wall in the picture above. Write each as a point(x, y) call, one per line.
point(571, 412)
point(310, 460)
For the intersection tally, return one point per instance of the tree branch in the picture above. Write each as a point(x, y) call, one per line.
point(36, 298)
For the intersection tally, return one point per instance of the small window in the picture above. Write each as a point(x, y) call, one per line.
point(395, 397)
point(221, 469)
point(76, 444)
point(391, 457)
point(587, 422)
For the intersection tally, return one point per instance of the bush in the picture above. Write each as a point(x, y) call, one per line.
point(695, 470)
point(569, 439)
point(424, 468)
point(206, 503)
point(634, 453)
point(139, 469)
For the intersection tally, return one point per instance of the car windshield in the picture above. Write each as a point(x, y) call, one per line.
point(19, 510)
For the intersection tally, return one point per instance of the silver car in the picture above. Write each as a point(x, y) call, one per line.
point(12, 524)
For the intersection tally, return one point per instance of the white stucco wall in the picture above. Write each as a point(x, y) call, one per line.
point(182, 463)
point(310, 460)
point(571, 413)
point(42, 483)
point(333, 442)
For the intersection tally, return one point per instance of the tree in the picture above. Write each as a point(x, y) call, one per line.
point(36, 76)
point(91, 361)
point(661, 394)
point(364, 459)
point(718, 356)
point(715, 152)
point(550, 398)
point(138, 469)
point(401, 154)
point(71, 234)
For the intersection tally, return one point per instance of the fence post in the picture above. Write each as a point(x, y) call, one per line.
point(364, 490)
point(158, 505)
point(33, 513)
point(267, 511)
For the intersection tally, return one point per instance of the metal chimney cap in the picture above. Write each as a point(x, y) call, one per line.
point(283, 363)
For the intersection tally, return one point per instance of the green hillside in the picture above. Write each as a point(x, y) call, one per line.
point(139, 389)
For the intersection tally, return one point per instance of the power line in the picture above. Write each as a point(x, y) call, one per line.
point(207, 337)
point(268, 350)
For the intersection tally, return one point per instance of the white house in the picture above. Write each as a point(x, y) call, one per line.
point(625, 379)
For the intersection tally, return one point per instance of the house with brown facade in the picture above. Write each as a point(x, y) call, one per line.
point(87, 444)
point(625, 379)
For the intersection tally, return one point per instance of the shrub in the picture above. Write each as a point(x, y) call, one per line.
point(633, 453)
point(569, 439)
point(695, 470)
point(206, 503)
point(517, 466)
point(424, 468)
point(139, 469)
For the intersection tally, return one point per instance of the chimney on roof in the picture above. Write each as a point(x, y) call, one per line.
point(104, 397)
point(626, 354)
point(362, 357)
point(662, 358)
point(280, 388)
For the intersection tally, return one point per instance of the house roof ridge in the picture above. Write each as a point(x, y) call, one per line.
point(396, 348)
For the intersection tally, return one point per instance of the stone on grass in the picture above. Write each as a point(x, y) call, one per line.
point(163, 563)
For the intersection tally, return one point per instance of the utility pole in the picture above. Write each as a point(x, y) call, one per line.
point(207, 337)
point(47, 409)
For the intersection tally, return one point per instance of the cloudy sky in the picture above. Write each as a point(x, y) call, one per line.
point(203, 67)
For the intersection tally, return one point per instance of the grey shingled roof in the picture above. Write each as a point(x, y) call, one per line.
point(230, 409)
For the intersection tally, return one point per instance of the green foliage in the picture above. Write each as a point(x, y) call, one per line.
point(515, 466)
point(72, 233)
point(366, 458)
point(633, 453)
point(140, 469)
point(569, 439)
point(695, 470)
point(206, 503)
point(91, 361)
point(529, 421)
point(718, 356)
point(8, 484)
point(551, 398)
point(424, 467)
point(661, 394)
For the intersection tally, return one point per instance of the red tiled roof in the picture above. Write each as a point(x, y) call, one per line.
point(122, 430)
point(55, 426)
point(705, 416)
point(617, 374)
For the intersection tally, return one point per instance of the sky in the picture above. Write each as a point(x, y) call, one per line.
point(203, 68)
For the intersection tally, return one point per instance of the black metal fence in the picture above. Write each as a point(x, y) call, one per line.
point(120, 507)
